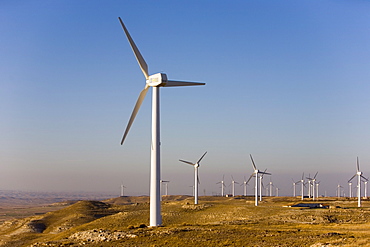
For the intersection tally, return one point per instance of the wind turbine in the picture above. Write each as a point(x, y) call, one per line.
point(311, 186)
point(271, 184)
point(222, 182)
point(255, 174)
point(166, 183)
point(350, 189)
point(244, 184)
point(155, 81)
point(366, 187)
point(359, 176)
point(339, 190)
point(302, 185)
point(317, 189)
point(233, 182)
point(196, 177)
point(122, 190)
point(294, 187)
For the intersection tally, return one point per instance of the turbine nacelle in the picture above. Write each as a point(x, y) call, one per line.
point(359, 173)
point(157, 80)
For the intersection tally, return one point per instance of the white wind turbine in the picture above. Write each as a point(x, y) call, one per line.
point(350, 189)
point(166, 184)
point(155, 81)
point(365, 182)
point(294, 187)
point(122, 190)
point(257, 173)
point(271, 184)
point(244, 184)
point(339, 190)
point(311, 185)
point(222, 182)
point(317, 189)
point(196, 176)
point(302, 186)
point(233, 182)
point(359, 176)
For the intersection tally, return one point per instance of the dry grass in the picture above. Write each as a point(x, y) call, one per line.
point(215, 221)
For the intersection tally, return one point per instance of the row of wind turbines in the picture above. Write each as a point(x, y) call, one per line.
point(156, 81)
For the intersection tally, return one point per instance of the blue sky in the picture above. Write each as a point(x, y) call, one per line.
point(287, 81)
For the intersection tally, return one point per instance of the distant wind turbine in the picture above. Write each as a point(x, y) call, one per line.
point(155, 81)
point(122, 190)
point(302, 185)
point(311, 185)
point(359, 176)
point(196, 176)
point(294, 187)
point(222, 182)
point(257, 173)
point(233, 182)
point(339, 190)
point(244, 184)
point(271, 184)
point(317, 189)
point(166, 184)
point(366, 188)
point(350, 189)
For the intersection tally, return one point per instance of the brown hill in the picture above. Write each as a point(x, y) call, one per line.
point(217, 221)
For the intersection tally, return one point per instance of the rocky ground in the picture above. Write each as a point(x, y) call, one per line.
point(215, 221)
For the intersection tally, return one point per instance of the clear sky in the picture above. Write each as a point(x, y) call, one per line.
point(287, 81)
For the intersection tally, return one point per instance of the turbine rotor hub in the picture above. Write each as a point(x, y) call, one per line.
point(157, 80)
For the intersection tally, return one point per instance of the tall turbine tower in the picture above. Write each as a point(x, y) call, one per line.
point(155, 81)
point(311, 185)
point(359, 176)
point(233, 182)
point(302, 186)
point(222, 182)
point(294, 187)
point(244, 184)
point(196, 176)
point(122, 190)
point(256, 174)
point(166, 184)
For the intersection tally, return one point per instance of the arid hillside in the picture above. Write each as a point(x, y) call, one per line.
point(216, 221)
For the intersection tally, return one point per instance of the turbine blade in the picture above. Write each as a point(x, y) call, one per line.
point(139, 57)
point(315, 175)
point(254, 165)
point(182, 83)
point(135, 111)
point(201, 157)
point(302, 175)
point(187, 162)
point(351, 178)
point(198, 179)
point(364, 178)
point(250, 178)
point(358, 165)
